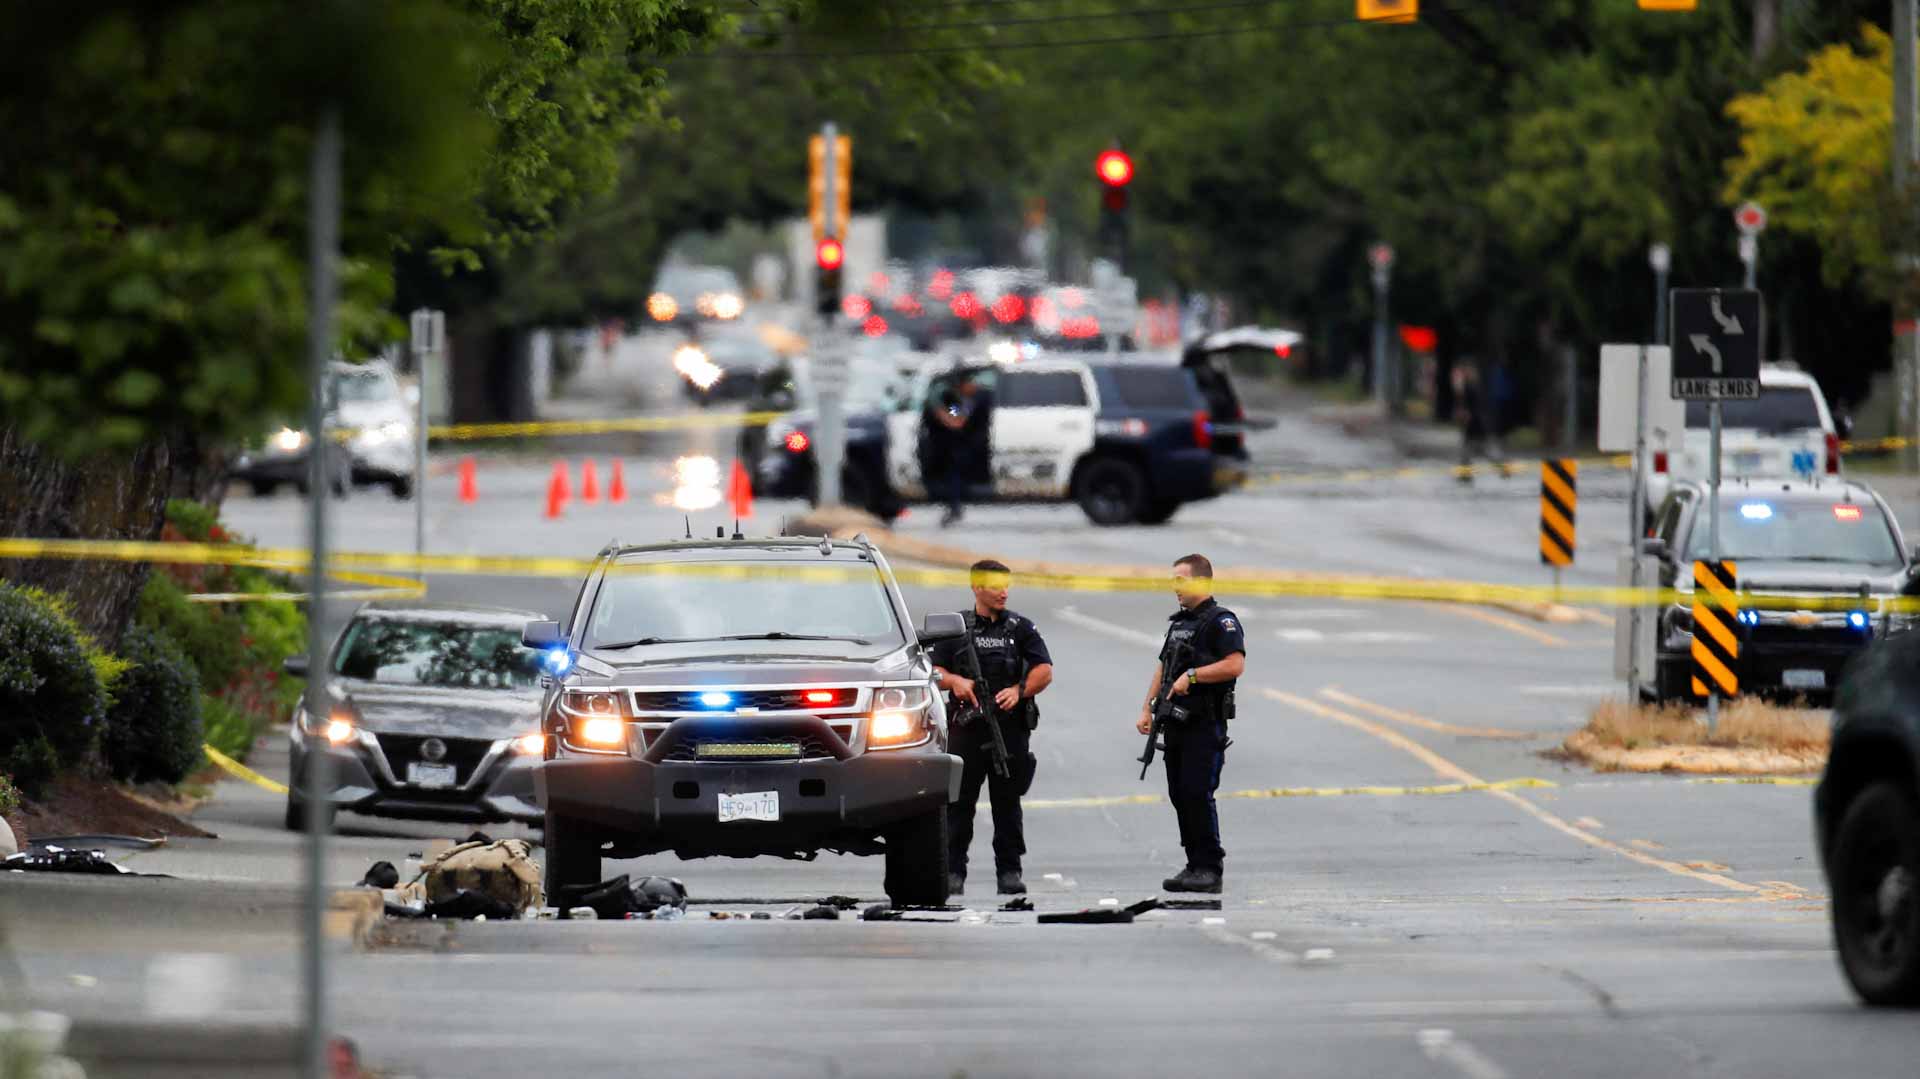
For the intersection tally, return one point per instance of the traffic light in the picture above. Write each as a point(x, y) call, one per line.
point(1668, 5)
point(829, 255)
point(1388, 10)
point(1115, 171)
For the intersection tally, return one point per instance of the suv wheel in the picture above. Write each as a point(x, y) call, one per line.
point(401, 486)
point(573, 854)
point(917, 861)
point(1159, 511)
point(1672, 680)
point(262, 488)
point(1876, 896)
point(1111, 491)
point(295, 818)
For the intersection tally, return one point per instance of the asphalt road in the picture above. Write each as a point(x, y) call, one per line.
point(1379, 920)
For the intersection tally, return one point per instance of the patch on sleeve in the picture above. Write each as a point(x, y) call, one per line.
point(1229, 625)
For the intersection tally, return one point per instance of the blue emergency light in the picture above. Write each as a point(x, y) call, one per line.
point(1756, 511)
point(557, 660)
point(1859, 620)
point(716, 700)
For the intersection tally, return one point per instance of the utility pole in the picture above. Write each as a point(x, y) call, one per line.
point(1380, 256)
point(1906, 147)
point(323, 244)
point(1660, 258)
point(829, 445)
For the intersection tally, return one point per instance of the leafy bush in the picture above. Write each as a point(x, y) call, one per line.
point(236, 648)
point(53, 699)
point(153, 728)
point(9, 795)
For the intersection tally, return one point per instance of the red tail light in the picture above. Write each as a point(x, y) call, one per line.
point(1833, 454)
point(1203, 430)
point(1660, 461)
point(797, 441)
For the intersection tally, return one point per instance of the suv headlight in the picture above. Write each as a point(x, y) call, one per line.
point(595, 719)
point(899, 717)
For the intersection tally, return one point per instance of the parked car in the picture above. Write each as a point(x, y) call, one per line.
point(742, 697)
point(1819, 540)
point(1786, 431)
point(1866, 814)
point(432, 712)
point(369, 415)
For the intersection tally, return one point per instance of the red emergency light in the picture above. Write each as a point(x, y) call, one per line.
point(1114, 168)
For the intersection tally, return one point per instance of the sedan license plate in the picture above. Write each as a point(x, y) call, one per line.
point(430, 776)
point(755, 805)
point(1802, 679)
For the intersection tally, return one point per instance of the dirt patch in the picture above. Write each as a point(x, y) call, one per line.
point(1752, 738)
point(77, 806)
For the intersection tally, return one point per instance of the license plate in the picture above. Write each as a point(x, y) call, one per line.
point(755, 805)
point(1804, 679)
point(430, 776)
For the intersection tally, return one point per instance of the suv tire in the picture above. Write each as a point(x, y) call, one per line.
point(295, 818)
point(573, 854)
point(401, 486)
point(1159, 511)
point(917, 861)
point(262, 488)
point(1672, 680)
point(1875, 875)
point(1111, 491)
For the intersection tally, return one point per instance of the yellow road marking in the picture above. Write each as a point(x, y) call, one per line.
point(1334, 693)
point(1450, 770)
point(1096, 802)
point(1512, 625)
point(241, 771)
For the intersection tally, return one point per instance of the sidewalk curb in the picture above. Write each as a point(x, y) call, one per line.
point(845, 523)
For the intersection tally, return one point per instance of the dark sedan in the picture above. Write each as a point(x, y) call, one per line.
point(432, 713)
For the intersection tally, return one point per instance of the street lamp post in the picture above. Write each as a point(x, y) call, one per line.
point(1660, 257)
point(1380, 256)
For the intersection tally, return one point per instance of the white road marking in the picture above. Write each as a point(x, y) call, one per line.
point(1260, 944)
point(1311, 614)
point(1440, 1044)
point(1101, 625)
point(1307, 635)
point(1595, 690)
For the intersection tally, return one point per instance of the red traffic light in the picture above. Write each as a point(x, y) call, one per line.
point(1114, 168)
point(830, 254)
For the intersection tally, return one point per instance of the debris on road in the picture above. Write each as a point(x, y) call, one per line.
point(1018, 904)
point(51, 859)
point(622, 897)
point(381, 875)
point(822, 913)
point(503, 870)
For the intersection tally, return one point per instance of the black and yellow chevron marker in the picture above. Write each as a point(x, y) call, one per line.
point(1716, 629)
point(1559, 497)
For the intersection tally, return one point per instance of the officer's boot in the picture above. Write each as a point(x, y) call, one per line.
point(956, 883)
point(1193, 879)
point(1010, 882)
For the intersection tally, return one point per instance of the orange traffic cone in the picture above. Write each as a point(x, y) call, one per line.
point(557, 491)
point(469, 489)
point(740, 491)
point(589, 481)
point(617, 484)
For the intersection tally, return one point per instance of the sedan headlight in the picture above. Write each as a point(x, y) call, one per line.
point(338, 728)
point(393, 431)
point(288, 440)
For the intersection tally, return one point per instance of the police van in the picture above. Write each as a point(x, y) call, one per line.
point(1129, 437)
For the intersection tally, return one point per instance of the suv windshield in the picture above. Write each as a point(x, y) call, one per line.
point(437, 654)
point(1798, 531)
point(1777, 410)
point(775, 599)
point(361, 387)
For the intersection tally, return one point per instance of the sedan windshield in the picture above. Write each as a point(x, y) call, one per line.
point(790, 599)
point(1799, 531)
point(443, 655)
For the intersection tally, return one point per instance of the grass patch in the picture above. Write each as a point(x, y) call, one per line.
point(1753, 737)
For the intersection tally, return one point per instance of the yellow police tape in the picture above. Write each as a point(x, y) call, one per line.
point(240, 771)
point(1292, 792)
point(1762, 781)
point(1270, 585)
point(625, 425)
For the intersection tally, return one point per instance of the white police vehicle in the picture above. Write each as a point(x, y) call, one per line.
point(1786, 431)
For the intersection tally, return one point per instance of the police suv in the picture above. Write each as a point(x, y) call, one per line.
point(745, 697)
point(1129, 438)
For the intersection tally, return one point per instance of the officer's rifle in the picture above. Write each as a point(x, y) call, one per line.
point(985, 708)
point(1166, 710)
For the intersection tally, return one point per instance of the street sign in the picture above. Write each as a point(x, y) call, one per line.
point(1559, 501)
point(1380, 256)
point(1619, 389)
point(1750, 219)
point(1716, 629)
point(1717, 338)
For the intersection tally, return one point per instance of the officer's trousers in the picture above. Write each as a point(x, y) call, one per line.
point(973, 744)
point(1195, 752)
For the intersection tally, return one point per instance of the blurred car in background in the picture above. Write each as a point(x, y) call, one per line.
point(687, 295)
point(432, 713)
point(781, 455)
point(1786, 431)
point(724, 366)
point(368, 413)
point(1866, 814)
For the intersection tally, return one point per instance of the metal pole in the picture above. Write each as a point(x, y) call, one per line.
point(1570, 422)
point(1906, 148)
point(420, 455)
point(1380, 279)
point(323, 241)
point(1750, 254)
point(1660, 307)
point(1638, 526)
point(1713, 531)
point(829, 446)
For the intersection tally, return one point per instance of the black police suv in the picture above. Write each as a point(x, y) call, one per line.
point(1831, 544)
point(1866, 815)
point(1127, 439)
point(745, 697)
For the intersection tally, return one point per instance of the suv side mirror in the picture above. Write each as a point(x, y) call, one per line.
point(942, 627)
point(1655, 546)
point(295, 665)
point(541, 635)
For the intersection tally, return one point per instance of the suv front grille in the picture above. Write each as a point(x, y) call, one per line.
point(465, 754)
point(765, 700)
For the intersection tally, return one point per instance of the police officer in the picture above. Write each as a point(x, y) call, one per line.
point(964, 416)
point(1015, 668)
point(1206, 642)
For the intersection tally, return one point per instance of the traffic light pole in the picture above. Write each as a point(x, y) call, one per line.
point(1906, 148)
point(829, 444)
